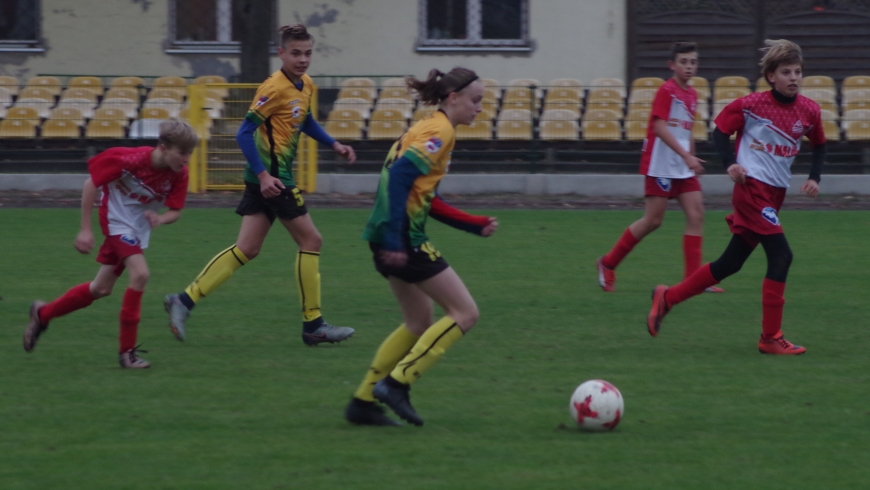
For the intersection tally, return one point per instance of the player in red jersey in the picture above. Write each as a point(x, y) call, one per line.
point(135, 184)
point(769, 127)
point(670, 166)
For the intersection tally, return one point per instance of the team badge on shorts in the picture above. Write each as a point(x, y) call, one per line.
point(769, 214)
point(664, 184)
point(130, 240)
point(433, 145)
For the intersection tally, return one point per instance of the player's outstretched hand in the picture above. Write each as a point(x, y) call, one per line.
point(152, 217)
point(737, 173)
point(394, 259)
point(490, 227)
point(270, 186)
point(345, 151)
point(84, 241)
point(810, 188)
point(694, 164)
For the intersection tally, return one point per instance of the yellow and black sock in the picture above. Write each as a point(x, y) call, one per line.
point(308, 280)
point(215, 273)
point(426, 352)
point(391, 351)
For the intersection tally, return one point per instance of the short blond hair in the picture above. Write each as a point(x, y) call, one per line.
point(778, 52)
point(175, 133)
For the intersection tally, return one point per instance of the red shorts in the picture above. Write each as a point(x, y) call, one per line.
point(116, 248)
point(756, 210)
point(670, 188)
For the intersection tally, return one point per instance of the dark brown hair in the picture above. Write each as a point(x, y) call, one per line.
point(294, 32)
point(682, 47)
point(779, 52)
point(439, 85)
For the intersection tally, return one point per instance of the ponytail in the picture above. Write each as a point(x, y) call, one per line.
point(439, 85)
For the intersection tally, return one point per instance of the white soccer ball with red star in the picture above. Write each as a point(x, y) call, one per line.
point(597, 405)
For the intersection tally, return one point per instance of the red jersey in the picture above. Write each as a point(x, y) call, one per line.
point(677, 106)
point(130, 186)
point(769, 133)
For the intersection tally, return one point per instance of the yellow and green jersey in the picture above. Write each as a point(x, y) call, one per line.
point(428, 145)
point(279, 109)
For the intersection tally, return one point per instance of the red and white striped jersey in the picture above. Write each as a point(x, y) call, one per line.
point(677, 106)
point(769, 133)
point(130, 186)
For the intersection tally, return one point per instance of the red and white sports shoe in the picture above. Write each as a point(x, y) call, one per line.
point(714, 289)
point(658, 311)
point(606, 276)
point(779, 346)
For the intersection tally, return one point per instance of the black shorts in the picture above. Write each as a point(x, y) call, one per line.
point(288, 205)
point(424, 262)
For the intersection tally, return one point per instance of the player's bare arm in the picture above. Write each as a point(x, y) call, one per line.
point(84, 241)
point(660, 128)
point(166, 218)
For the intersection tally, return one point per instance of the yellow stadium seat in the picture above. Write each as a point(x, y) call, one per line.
point(92, 83)
point(559, 115)
point(344, 130)
point(404, 106)
point(130, 108)
point(857, 130)
point(365, 93)
point(59, 128)
point(602, 131)
point(571, 105)
point(513, 130)
point(827, 105)
point(41, 106)
point(492, 95)
point(479, 129)
point(387, 115)
point(564, 93)
point(761, 85)
point(23, 112)
point(36, 93)
point(567, 82)
point(699, 130)
point(105, 129)
point(828, 115)
point(485, 114)
point(154, 113)
point(856, 104)
point(491, 83)
point(602, 115)
point(79, 93)
point(731, 81)
point(703, 110)
point(170, 106)
point(635, 130)
point(72, 114)
point(731, 93)
point(169, 81)
point(832, 130)
point(819, 81)
point(518, 93)
point(359, 82)
point(386, 130)
point(823, 94)
point(122, 93)
point(558, 130)
point(166, 93)
point(605, 93)
point(515, 115)
point(647, 82)
point(346, 115)
point(614, 105)
point(396, 93)
point(17, 128)
point(86, 106)
point(112, 113)
point(527, 83)
point(702, 86)
point(857, 81)
point(394, 82)
point(614, 83)
point(10, 83)
point(52, 84)
point(638, 115)
point(856, 115)
point(127, 82)
point(5, 101)
point(360, 105)
point(854, 95)
point(422, 112)
point(642, 95)
point(205, 79)
point(518, 104)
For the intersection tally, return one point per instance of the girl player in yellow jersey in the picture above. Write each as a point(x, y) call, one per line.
point(417, 273)
point(268, 138)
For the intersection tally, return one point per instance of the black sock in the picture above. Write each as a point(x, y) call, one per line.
point(186, 301)
point(310, 327)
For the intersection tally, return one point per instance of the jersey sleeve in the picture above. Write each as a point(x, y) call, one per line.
point(266, 101)
point(178, 194)
point(428, 150)
point(731, 119)
point(661, 107)
point(816, 135)
point(105, 167)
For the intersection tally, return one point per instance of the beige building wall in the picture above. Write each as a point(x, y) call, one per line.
point(582, 39)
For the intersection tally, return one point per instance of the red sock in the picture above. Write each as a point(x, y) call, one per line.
point(693, 285)
point(76, 298)
point(131, 307)
point(624, 245)
point(772, 301)
point(692, 253)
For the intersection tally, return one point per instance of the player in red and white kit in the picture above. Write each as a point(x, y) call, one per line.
point(135, 184)
point(769, 127)
point(671, 168)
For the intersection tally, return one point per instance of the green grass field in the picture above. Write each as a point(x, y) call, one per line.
point(243, 404)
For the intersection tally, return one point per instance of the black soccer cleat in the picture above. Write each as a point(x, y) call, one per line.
point(361, 412)
point(395, 395)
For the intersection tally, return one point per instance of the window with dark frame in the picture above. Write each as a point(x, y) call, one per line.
point(207, 26)
point(19, 25)
point(473, 25)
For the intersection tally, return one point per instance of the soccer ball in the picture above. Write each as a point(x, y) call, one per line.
point(596, 405)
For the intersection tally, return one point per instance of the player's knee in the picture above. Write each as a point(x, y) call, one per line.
point(139, 278)
point(312, 242)
point(250, 253)
point(100, 291)
point(467, 318)
point(653, 223)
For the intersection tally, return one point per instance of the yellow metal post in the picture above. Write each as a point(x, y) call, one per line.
point(196, 116)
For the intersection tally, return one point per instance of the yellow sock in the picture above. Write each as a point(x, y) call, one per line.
point(393, 349)
point(427, 350)
point(308, 277)
point(216, 273)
